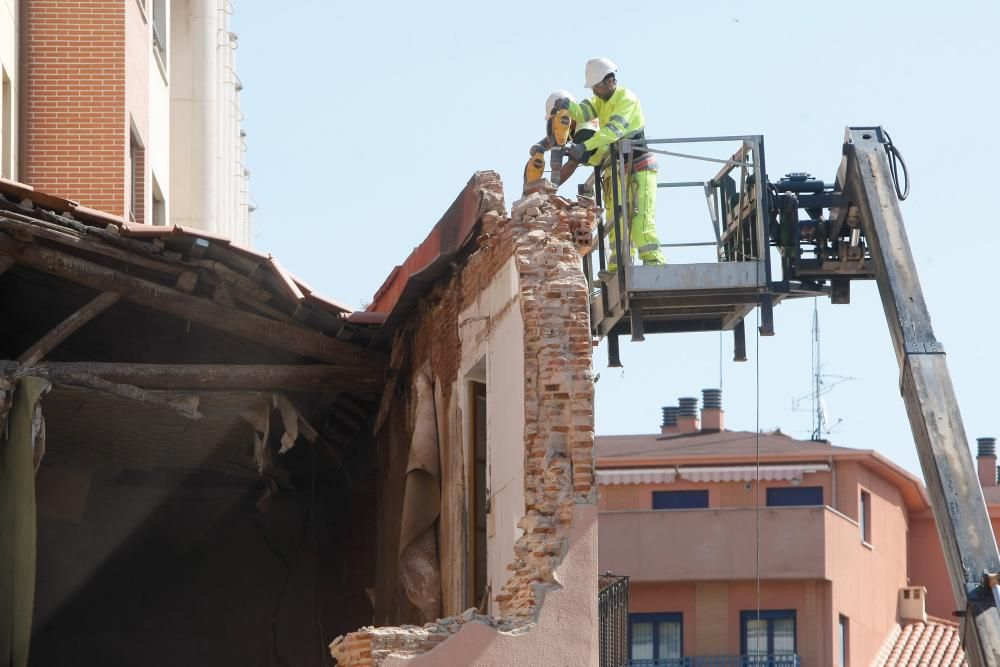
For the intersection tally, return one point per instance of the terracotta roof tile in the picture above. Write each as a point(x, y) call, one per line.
point(934, 643)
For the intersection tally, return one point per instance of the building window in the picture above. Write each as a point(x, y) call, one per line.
point(160, 31)
point(865, 517)
point(844, 642)
point(767, 634)
point(159, 217)
point(136, 179)
point(6, 119)
point(477, 465)
point(680, 500)
point(655, 638)
point(790, 496)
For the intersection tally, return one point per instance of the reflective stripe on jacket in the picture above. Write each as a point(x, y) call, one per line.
point(619, 116)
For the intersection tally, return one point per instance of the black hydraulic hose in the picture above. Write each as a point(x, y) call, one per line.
point(895, 155)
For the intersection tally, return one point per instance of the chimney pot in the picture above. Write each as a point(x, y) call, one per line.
point(987, 446)
point(986, 461)
point(687, 415)
point(912, 603)
point(711, 398)
point(669, 424)
point(712, 416)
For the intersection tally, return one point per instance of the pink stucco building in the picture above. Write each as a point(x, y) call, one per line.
point(831, 558)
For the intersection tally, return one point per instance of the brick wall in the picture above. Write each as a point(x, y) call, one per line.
point(559, 395)
point(542, 235)
point(74, 131)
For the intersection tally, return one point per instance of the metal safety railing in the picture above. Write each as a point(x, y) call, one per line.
point(736, 195)
point(737, 206)
point(612, 603)
point(777, 660)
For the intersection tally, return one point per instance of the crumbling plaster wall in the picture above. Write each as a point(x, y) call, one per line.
point(491, 329)
point(524, 311)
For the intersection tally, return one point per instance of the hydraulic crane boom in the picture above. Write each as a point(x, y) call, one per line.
point(967, 539)
point(852, 230)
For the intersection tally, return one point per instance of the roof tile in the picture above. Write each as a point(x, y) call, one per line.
point(934, 643)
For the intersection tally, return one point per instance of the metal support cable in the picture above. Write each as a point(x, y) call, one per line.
point(756, 566)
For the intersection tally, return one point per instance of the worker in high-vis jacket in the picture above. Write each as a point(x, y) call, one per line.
point(619, 115)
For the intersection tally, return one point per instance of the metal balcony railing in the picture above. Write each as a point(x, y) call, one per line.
point(778, 660)
point(612, 602)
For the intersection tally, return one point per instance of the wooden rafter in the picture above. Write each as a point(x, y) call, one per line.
point(67, 327)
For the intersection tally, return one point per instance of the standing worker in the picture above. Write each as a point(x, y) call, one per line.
point(619, 114)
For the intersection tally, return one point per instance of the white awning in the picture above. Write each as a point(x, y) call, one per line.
point(636, 476)
point(750, 473)
point(745, 473)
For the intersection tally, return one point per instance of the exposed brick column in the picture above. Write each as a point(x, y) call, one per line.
point(74, 133)
point(559, 397)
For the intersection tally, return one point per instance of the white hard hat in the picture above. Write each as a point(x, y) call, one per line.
point(558, 95)
point(597, 69)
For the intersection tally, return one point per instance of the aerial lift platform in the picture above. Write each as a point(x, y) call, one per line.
point(826, 236)
point(700, 296)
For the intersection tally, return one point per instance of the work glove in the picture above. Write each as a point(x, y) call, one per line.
point(575, 152)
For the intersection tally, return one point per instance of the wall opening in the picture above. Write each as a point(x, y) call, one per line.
point(478, 578)
point(844, 641)
point(865, 517)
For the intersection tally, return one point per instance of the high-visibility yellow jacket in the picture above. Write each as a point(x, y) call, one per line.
point(619, 116)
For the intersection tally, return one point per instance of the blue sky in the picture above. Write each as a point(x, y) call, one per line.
point(365, 120)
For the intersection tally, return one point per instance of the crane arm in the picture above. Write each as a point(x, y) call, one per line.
point(963, 524)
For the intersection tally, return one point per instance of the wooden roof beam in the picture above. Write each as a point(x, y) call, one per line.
point(213, 377)
point(281, 335)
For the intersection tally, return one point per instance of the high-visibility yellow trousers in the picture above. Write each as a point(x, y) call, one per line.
point(642, 232)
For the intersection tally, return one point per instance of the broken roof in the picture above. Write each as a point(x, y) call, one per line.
point(450, 236)
point(254, 279)
point(126, 320)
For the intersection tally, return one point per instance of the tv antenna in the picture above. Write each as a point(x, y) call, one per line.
point(822, 384)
